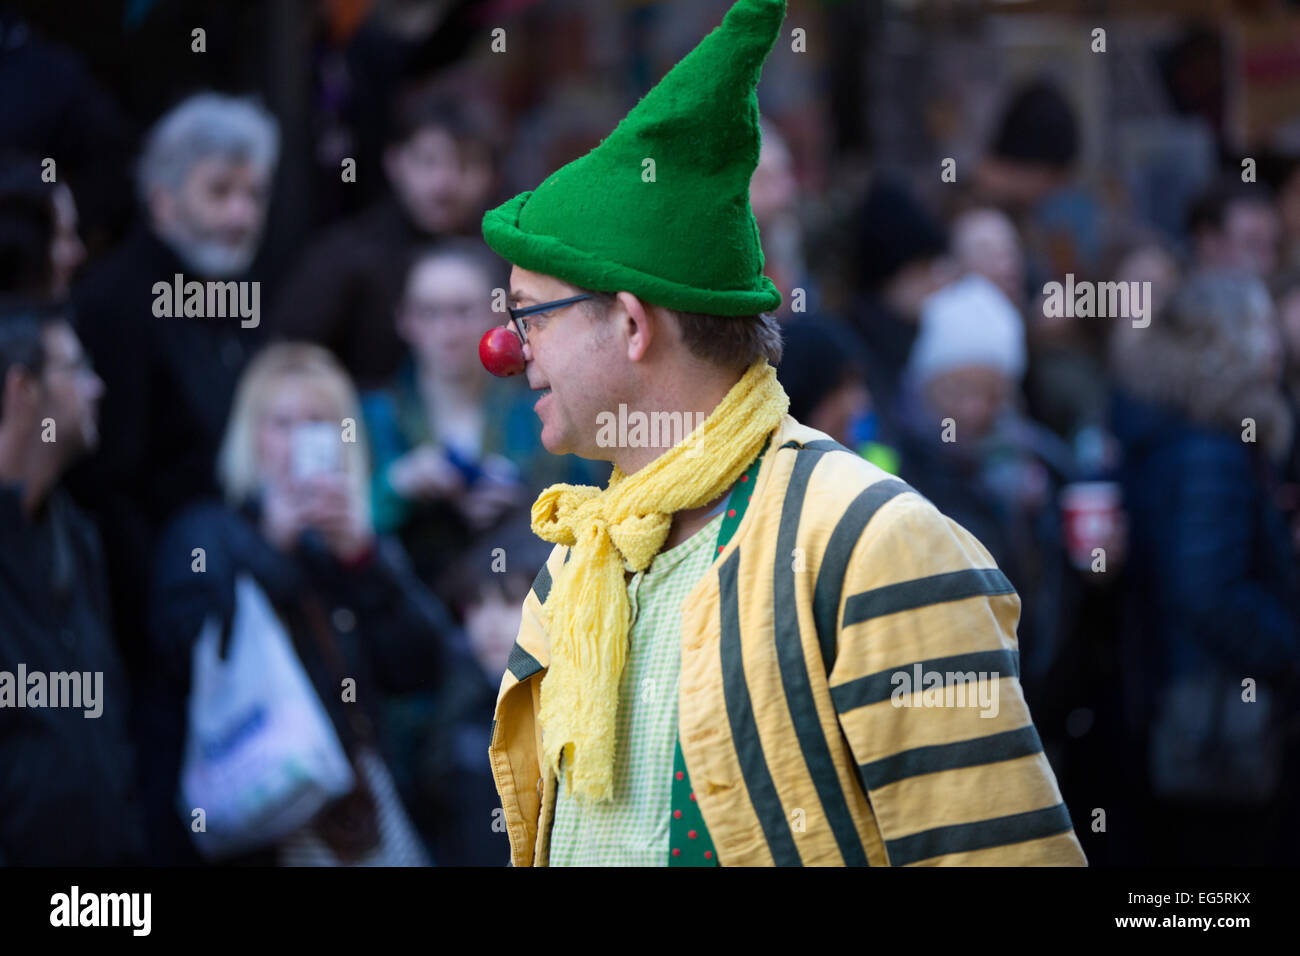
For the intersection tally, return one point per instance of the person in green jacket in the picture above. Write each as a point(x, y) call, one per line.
point(752, 646)
point(453, 451)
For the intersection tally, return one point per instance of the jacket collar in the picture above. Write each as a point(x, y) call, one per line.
point(13, 518)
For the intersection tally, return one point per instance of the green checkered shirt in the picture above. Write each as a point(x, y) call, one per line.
point(632, 828)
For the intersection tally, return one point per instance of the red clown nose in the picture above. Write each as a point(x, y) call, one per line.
point(500, 352)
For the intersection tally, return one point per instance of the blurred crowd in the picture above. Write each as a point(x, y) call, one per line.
point(1135, 473)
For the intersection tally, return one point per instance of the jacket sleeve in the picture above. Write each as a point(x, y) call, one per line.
point(1214, 590)
point(925, 683)
point(111, 483)
point(188, 588)
point(403, 624)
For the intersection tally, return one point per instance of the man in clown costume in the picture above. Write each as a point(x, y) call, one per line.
point(753, 647)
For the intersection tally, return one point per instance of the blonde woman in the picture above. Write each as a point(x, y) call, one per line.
point(294, 472)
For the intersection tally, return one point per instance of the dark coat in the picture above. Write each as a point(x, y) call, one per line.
point(388, 629)
point(168, 388)
point(55, 107)
point(67, 790)
point(1211, 584)
point(1210, 563)
point(453, 775)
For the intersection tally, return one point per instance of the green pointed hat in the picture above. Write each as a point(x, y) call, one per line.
point(686, 239)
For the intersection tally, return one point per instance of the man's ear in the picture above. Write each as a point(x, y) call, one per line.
point(641, 325)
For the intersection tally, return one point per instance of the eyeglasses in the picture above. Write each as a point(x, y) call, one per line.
point(517, 315)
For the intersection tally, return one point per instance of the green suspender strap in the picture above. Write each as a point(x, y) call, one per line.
point(688, 838)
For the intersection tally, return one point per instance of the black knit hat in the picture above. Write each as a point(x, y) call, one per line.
point(1038, 126)
point(894, 230)
point(818, 356)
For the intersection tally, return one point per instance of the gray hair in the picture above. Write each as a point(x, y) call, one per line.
point(202, 126)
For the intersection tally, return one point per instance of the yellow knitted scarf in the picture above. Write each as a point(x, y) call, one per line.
point(587, 612)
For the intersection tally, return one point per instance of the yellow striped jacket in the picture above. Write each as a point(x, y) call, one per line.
point(827, 711)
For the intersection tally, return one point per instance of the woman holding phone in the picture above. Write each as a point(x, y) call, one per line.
point(297, 521)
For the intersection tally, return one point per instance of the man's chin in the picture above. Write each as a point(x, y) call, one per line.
point(554, 445)
point(566, 444)
point(214, 260)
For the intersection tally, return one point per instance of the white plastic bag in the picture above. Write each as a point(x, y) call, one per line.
point(261, 756)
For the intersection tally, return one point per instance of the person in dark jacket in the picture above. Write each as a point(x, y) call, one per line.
point(40, 249)
point(458, 805)
point(204, 178)
point(1212, 577)
point(345, 291)
point(298, 523)
point(67, 794)
point(55, 109)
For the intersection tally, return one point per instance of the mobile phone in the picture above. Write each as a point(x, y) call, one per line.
point(316, 447)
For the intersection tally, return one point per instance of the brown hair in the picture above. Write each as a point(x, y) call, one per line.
point(473, 252)
point(725, 340)
point(1202, 356)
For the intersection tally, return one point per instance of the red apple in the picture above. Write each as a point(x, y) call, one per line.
point(500, 352)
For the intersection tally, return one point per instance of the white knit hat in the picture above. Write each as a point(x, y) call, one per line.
point(970, 322)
